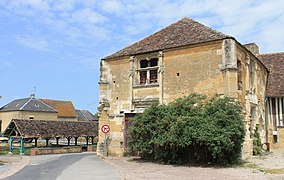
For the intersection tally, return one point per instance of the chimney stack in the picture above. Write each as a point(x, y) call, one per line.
point(253, 48)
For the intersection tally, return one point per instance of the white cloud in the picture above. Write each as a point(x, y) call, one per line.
point(38, 43)
point(63, 5)
point(88, 16)
point(5, 63)
point(112, 6)
point(126, 20)
point(246, 20)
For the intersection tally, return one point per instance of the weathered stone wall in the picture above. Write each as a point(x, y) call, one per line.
point(115, 98)
point(280, 138)
point(190, 70)
point(63, 150)
point(221, 67)
point(146, 92)
point(251, 78)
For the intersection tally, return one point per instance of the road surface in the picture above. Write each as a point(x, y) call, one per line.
point(69, 166)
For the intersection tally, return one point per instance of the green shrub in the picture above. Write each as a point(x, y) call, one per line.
point(257, 146)
point(191, 129)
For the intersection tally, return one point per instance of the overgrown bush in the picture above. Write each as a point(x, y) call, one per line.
point(257, 146)
point(191, 129)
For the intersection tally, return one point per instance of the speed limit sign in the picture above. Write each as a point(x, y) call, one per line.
point(105, 128)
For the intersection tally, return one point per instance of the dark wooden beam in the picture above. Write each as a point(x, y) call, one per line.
point(36, 142)
point(57, 141)
point(76, 139)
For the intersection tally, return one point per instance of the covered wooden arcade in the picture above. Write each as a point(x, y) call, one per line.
point(23, 130)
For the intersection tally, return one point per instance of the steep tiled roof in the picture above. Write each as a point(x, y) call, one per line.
point(27, 104)
point(182, 33)
point(64, 108)
point(275, 63)
point(51, 129)
point(85, 115)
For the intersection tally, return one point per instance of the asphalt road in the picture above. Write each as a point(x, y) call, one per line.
point(74, 166)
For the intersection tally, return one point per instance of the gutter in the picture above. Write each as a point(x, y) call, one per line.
point(266, 110)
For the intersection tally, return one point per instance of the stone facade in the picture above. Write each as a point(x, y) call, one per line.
point(130, 83)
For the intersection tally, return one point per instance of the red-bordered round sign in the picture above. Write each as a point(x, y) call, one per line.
point(105, 128)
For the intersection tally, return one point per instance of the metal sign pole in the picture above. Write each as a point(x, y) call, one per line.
point(105, 129)
point(105, 147)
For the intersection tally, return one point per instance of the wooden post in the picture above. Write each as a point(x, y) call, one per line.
point(11, 145)
point(271, 112)
point(46, 141)
point(36, 142)
point(276, 114)
point(280, 112)
point(68, 140)
point(92, 140)
point(22, 146)
point(57, 141)
point(76, 139)
point(87, 140)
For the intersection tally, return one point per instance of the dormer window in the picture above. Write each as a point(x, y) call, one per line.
point(148, 71)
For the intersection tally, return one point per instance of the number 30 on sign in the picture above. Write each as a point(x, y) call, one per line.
point(105, 128)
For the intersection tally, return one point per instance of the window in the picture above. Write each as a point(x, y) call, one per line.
point(240, 82)
point(148, 71)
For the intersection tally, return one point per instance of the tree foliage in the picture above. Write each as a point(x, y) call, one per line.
point(191, 129)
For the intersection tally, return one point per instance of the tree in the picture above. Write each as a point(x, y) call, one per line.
point(190, 129)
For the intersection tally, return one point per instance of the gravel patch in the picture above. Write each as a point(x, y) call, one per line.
point(254, 169)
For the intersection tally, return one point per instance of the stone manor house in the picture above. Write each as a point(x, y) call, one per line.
point(181, 59)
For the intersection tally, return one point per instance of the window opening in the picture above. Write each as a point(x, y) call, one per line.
point(143, 77)
point(153, 62)
point(153, 76)
point(240, 83)
point(148, 71)
point(143, 64)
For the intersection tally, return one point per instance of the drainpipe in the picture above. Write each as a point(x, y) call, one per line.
point(266, 123)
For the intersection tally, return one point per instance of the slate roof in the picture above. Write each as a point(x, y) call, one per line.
point(275, 64)
point(182, 33)
point(50, 129)
point(85, 115)
point(64, 108)
point(27, 104)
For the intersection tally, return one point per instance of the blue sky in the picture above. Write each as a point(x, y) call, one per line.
point(56, 45)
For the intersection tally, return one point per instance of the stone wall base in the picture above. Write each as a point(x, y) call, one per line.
point(44, 151)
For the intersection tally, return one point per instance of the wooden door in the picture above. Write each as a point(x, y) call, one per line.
point(127, 124)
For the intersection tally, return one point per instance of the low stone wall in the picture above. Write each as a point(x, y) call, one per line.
point(59, 150)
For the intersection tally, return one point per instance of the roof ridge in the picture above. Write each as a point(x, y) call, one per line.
point(25, 103)
point(47, 105)
point(178, 34)
point(272, 53)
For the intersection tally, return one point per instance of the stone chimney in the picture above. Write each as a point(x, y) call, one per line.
point(253, 48)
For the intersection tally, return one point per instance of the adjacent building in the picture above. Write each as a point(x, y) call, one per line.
point(274, 99)
point(65, 109)
point(37, 109)
point(85, 115)
point(181, 59)
point(26, 108)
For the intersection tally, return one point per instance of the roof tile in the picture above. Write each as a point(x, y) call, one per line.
point(182, 33)
point(275, 63)
point(64, 108)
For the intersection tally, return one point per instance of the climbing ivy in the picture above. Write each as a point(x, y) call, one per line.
point(190, 129)
point(257, 146)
